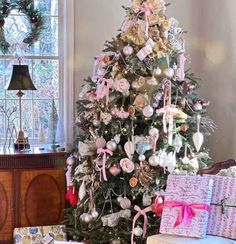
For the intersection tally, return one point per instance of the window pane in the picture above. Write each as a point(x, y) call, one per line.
point(2, 120)
point(46, 79)
point(48, 7)
point(2, 79)
point(27, 118)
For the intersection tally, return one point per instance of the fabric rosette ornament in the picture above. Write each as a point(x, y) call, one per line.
point(127, 165)
point(122, 86)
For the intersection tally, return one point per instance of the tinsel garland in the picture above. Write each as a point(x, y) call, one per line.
point(33, 15)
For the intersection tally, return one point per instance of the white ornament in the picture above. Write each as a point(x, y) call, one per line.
point(147, 200)
point(111, 145)
point(141, 158)
point(96, 122)
point(82, 191)
point(125, 203)
point(197, 106)
point(198, 136)
point(117, 139)
point(129, 148)
point(177, 143)
point(94, 214)
point(198, 140)
point(169, 72)
point(88, 218)
point(153, 161)
point(194, 163)
point(70, 161)
point(135, 85)
point(153, 131)
point(157, 71)
point(138, 231)
point(128, 50)
point(148, 111)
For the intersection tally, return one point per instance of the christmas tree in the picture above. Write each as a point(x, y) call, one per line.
point(139, 119)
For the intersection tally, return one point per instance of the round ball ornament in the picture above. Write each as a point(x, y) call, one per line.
point(138, 231)
point(33, 15)
point(153, 131)
point(100, 142)
point(141, 158)
point(197, 106)
point(148, 111)
point(153, 161)
point(70, 161)
point(114, 170)
point(111, 145)
point(158, 205)
point(133, 182)
point(157, 71)
point(88, 218)
point(94, 214)
point(169, 72)
point(128, 50)
point(96, 122)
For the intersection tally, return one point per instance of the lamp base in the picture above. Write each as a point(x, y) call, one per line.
point(22, 142)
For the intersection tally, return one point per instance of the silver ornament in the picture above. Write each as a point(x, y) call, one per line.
point(153, 161)
point(111, 145)
point(128, 50)
point(94, 214)
point(169, 72)
point(157, 71)
point(96, 122)
point(141, 158)
point(148, 111)
point(138, 231)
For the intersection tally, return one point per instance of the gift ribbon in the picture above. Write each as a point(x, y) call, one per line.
point(140, 212)
point(186, 211)
point(104, 159)
point(103, 89)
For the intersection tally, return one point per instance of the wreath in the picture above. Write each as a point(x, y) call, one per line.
point(33, 15)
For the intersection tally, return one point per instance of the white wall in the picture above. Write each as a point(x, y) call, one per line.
point(211, 39)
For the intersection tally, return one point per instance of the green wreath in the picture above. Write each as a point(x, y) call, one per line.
point(33, 15)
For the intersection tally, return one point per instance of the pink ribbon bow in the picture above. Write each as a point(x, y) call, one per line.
point(103, 89)
point(104, 159)
point(180, 71)
point(186, 211)
point(147, 11)
point(143, 213)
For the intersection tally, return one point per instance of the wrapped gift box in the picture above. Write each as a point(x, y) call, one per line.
point(39, 234)
point(222, 219)
point(187, 206)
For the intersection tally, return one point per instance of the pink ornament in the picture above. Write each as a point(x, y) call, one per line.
point(114, 170)
point(100, 142)
point(127, 165)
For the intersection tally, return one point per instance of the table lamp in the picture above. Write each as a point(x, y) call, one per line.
point(21, 81)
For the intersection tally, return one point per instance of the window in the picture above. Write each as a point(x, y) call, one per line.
point(45, 60)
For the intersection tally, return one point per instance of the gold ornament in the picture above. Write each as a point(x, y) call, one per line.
point(141, 101)
point(133, 182)
point(144, 174)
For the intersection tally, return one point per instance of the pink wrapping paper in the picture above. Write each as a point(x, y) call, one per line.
point(223, 224)
point(189, 190)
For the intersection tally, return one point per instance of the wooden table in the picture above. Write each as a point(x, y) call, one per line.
point(32, 188)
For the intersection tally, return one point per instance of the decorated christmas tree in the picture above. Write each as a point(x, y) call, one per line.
point(139, 119)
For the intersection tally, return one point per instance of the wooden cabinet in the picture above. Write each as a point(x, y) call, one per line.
point(32, 189)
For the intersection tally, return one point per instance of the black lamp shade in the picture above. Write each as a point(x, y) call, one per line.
point(21, 79)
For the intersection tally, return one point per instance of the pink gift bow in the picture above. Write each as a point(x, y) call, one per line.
point(186, 211)
point(104, 159)
point(139, 213)
point(103, 89)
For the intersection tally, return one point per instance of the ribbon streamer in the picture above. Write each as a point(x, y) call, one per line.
point(103, 89)
point(186, 211)
point(104, 159)
point(180, 71)
point(143, 213)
